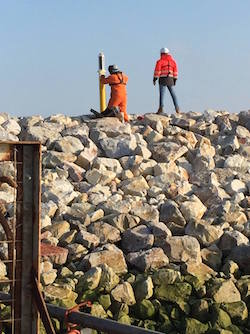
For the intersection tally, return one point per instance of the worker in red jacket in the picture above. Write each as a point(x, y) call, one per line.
point(167, 73)
point(118, 99)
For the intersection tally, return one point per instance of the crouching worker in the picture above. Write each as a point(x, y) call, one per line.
point(117, 105)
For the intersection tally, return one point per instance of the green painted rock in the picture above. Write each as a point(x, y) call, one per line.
point(200, 310)
point(150, 324)
point(234, 329)
point(165, 320)
point(166, 276)
point(146, 309)
point(98, 311)
point(194, 326)
point(60, 295)
point(176, 293)
point(197, 283)
point(124, 319)
point(237, 311)
point(144, 289)
point(109, 279)
point(105, 301)
point(220, 317)
point(90, 280)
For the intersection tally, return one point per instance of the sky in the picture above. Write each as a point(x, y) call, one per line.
point(49, 53)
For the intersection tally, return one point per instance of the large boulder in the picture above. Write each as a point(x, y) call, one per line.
point(138, 238)
point(206, 234)
point(107, 254)
point(119, 146)
point(182, 249)
point(149, 259)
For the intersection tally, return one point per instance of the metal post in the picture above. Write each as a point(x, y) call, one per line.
point(101, 86)
point(88, 321)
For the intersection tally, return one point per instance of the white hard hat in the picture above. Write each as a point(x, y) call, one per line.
point(164, 50)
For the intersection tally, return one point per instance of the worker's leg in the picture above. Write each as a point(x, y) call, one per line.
point(174, 98)
point(162, 90)
point(123, 109)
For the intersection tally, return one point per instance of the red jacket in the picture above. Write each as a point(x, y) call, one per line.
point(166, 66)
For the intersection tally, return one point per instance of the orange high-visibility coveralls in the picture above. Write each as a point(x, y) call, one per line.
point(118, 98)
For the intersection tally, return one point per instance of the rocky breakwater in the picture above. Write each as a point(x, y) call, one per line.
point(148, 220)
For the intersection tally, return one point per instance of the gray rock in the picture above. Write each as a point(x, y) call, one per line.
point(206, 234)
point(169, 212)
point(76, 131)
point(122, 221)
point(88, 154)
point(153, 258)
point(236, 186)
point(59, 191)
point(90, 280)
point(145, 212)
point(41, 133)
point(87, 239)
point(193, 208)
point(241, 255)
point(103, 178)
point(109, 279)
point(237, 162)
point(124, 293)
point(138, 238)
point(105, 232)
point(109, 164)
point(167, 151)
point(12, 127)
point(224, 291)
point(118, 147)
point(144, 289)
point(231, 239)
point(212, 256)
point(137, 186)
point(108, 254)
point(68, 144)
point(182, 249)
point(76, 173)
point(53, 159)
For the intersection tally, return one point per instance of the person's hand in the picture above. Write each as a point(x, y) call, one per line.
point(102, 72)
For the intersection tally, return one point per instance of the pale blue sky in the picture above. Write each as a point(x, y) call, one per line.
point(49, 49)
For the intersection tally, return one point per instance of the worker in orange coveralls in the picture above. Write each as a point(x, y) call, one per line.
point(118, 99)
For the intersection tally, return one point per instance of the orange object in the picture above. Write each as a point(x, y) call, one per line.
point(71, 328)
point(118, 98)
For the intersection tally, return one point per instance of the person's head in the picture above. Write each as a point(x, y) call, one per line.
point(164, 51)
point(113, 69)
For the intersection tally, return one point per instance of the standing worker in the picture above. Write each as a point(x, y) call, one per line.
point(118, 99)
point(167, 73)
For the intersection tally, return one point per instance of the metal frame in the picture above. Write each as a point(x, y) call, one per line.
point(25, 243)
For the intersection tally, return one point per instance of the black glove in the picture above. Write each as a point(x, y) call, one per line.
point(154, 80)
point(175, 81)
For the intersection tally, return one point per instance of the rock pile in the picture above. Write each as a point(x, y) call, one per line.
point(149, 220)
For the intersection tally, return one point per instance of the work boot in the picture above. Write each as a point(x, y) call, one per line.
point(177, 110)
point(120, 116)
point(160, 110)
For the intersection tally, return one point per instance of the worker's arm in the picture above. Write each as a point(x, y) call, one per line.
point(108, 80)
point(175, 70)
point(157, 71)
